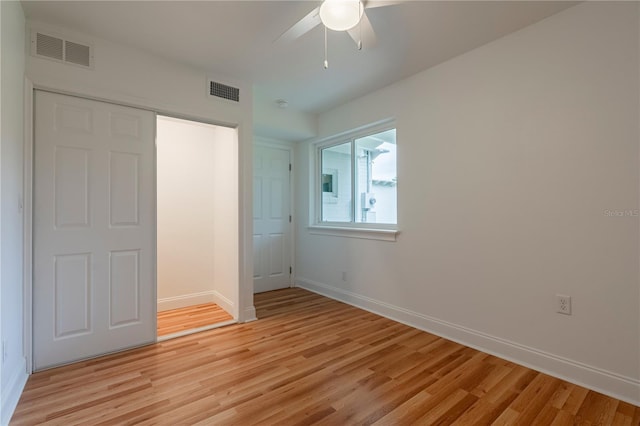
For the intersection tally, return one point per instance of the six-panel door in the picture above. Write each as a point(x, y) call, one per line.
point(93, 273)
point(271, 227)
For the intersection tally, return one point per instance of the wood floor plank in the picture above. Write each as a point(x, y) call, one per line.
point(190, 317)
point(309, 360)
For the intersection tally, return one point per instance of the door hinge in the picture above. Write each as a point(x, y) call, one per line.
point(289, 166)
point(289, 218)
point(290, 270)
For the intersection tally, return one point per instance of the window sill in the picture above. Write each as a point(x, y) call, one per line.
point(363, 233)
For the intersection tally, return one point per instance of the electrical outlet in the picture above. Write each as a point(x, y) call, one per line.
point(563, 304)
point(344, 276)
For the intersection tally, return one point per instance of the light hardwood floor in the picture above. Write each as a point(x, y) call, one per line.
point(191, 317)
point(310, 360)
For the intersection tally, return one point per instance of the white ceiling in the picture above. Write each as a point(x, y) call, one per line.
point(235, 39)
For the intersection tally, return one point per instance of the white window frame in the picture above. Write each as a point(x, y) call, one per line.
point(375, 231)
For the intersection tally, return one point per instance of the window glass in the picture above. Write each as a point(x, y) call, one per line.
point(336, 183)
point(358, 180)
point(376, 178)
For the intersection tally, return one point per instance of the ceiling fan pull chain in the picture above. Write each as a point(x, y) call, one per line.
point(326, 55)
point(360, 12)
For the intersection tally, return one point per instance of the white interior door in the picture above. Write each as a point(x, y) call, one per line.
point(271, 226)
point(93, 275)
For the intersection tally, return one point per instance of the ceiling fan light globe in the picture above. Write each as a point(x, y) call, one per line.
point(341, 15)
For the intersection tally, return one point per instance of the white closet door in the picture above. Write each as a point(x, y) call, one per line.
point(93, 271)
point(271, 227)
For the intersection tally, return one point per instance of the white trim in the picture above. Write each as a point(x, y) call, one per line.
point(27, 226)
point(249, 314)
point(375, 127)
point(154, 249)
point(2, 410)
point(12, 392)
point(609, 383)
point(185, 300)
point(244, 290)
point(638, 159)
point(224, 303)
point(195, 330)
point(350, 232)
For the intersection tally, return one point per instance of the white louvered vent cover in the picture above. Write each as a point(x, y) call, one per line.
point(62, 50)
point(224, 91)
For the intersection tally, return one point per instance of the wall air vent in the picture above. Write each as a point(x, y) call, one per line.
point(223, 91)
point(51, 47)
point(60, 49)
point(77, 53)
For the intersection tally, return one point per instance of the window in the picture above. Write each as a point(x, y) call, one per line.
point(357, 181)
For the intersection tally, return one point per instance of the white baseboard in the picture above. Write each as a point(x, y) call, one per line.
point(11, 394)
point(624, 388)
point(249, 314)
point(224, 303)
point(185, 300)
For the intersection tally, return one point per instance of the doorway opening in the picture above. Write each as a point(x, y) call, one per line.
point(197, 223)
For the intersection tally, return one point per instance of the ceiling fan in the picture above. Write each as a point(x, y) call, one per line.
point(339, 15)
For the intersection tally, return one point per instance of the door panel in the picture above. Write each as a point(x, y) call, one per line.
point(72, 295)
point(71, 174)
point(123, 189)
point(124, 287)
point(276, 253)
point(276, 200)
point(272, 230)
point(93, 274)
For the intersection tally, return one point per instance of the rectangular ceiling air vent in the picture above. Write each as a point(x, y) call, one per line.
point(224, 91)
point(61, 49)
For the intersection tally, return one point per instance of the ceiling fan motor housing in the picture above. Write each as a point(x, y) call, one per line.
point(341, 15)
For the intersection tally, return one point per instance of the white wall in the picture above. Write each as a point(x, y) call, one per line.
point(225, 189)
point(197, 214)
point(13, 369)
point(509, 157)
point(285, 124)
point(133, 77)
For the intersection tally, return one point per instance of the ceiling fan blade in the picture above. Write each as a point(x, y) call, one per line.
point(301, 27)
point(363, 32)
point(381, 3)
